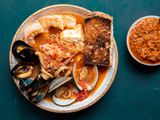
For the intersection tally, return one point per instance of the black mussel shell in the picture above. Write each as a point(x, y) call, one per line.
point(36, 96)
point(23, 52)
point(18, 46)
point(39, 83)
point(24, 73)
point(28, 55)
point(22, 69)
point(38, 89)
point(25, 82)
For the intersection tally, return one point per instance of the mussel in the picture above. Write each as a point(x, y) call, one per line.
point(40, 82)
point(33, 79)
point(36, 82)
point(38, 89)
point(85, 77)
point(38, 95)
point(58, 82)
point(24, 73)
point(23, 52)
point(22, 70)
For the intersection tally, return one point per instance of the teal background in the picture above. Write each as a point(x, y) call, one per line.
point(135, 92)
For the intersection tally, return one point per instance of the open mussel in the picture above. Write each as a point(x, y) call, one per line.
point(24, 73)
point(23, 52)
point(85, 77)
point(40, 87)
point(58, 82)
point(39, 83)
point(22, 70)
point(38, 95)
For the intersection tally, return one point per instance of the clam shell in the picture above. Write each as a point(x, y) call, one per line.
point(63, 102)
point(89, 87)
point(72, 95)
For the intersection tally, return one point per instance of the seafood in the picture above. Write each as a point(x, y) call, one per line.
point(31, 31)
point(53, 57)
point(64, 71)
point(38, 95)
point(73, 39)
point(85, 77)
point(58, 82)
point(39, 83)
point(45, 75)
point(53, 63)
point(58, 21)
point(51, 21)
point(43, 24)
point(73, 35)
point(23, 52)
point(69, 21)
point(24, 73)
point(65, 95)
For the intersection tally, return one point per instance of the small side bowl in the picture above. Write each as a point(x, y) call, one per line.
point(127, 40)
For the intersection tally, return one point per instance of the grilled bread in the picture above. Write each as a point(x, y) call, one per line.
point(98, 30)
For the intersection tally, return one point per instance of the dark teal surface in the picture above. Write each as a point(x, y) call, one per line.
point(135, 93)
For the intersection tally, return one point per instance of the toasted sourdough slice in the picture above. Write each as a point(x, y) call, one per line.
point(98, 30)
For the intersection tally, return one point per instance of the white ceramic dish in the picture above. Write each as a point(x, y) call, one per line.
point(127, 40)
point(103, 88)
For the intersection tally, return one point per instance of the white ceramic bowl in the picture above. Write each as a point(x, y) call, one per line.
point(149, 16)
point(105, 85)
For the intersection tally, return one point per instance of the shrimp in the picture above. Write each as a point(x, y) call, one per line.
point(44, 23)
point(69, 21)
point(59, 21)
point(52, 20)
point(31, 31)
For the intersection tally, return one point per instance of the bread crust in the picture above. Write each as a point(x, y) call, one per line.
point(98, 30)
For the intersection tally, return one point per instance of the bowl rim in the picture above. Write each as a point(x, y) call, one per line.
point(80, 108)
point(127, 40)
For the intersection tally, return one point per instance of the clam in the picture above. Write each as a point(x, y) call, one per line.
point(85, 77)
point(23, 52)
point(65, 94)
